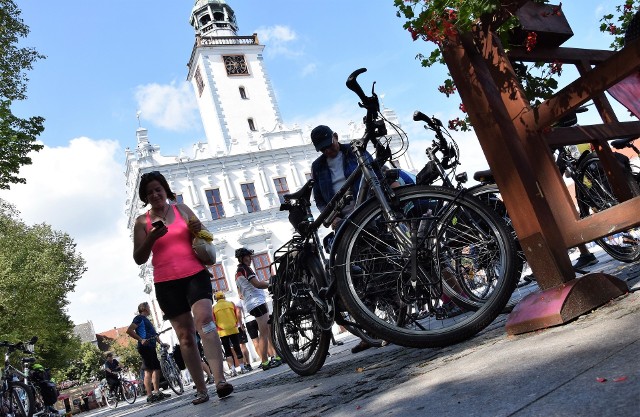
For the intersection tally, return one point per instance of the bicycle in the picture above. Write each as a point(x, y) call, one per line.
point(444, 169)
point(38, 379)
point(16, 397)
point(124, 390)
point(393, 259)
point(170, 369)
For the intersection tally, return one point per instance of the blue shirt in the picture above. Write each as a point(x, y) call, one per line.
point(145, 330)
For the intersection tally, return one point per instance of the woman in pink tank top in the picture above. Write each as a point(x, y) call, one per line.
point(182, 284)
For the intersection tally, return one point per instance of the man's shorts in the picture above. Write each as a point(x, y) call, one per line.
point(176, 297)
point(252, 329)
point(259, 311)
point(149, 356)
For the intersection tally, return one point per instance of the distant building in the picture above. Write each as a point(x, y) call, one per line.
point(107, 340)
point(234, 181)
point(86, 332)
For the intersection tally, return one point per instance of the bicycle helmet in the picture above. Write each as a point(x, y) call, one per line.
point(242, 252)
point(219, 295)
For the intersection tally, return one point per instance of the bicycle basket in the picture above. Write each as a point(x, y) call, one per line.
point(49, 392)
point(428, 174)
point(177, 356)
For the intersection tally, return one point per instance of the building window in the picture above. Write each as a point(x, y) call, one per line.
point(243, 93)
point(219, 280)
point(252, 125)
point(215, 203)
point(179, 199)
point(282, 187)
point(262, 266)
point(199, 81)
point(250, 198)
point(235, 65)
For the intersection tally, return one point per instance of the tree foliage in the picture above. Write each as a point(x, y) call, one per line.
point(39, 266)
point(128, 355)
point(17, 136)
point(85, 367)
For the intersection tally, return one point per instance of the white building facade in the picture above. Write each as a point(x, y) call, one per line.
point(234, 181)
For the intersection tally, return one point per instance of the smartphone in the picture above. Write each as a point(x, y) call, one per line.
point(157, 224)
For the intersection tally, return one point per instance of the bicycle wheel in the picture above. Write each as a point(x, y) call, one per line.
point(111, 397)
point(490, 195)
point(20, 399)
point(301, 330)
point(129, 392)
point(438, 275)
point(172, 375)
point(594, 194)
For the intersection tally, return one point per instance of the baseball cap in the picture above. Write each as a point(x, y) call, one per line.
point(322, 137)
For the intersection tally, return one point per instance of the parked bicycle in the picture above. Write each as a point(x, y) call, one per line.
point(16, 397)
point(394, 258)
point(169, 367)
point(38, 379)
point(123, 390)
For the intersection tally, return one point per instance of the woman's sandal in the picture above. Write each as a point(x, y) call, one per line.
point(201, 397)
point(223, 388)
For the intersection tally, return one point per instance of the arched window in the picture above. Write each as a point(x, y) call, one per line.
point(252, 125)
point(243, 93)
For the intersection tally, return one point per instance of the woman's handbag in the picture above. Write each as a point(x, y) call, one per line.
point(205, 250)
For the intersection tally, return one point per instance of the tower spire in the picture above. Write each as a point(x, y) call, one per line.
point(213, 18)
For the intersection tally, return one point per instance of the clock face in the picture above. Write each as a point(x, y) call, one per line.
point(235, 65)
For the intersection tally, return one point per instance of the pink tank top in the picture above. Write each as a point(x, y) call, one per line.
point(173, 258)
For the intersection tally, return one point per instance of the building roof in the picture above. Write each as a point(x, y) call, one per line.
point(85, 332)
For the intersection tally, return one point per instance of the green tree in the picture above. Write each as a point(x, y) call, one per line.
point(39, 266)
point(84, 367)
point(17, 135)
point(128, 355)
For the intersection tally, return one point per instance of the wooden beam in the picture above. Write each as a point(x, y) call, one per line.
point(563, 136)
point(564, 55)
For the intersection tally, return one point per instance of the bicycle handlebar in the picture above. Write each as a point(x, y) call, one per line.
point(352, 84)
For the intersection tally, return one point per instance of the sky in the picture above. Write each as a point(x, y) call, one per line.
point(108, 61)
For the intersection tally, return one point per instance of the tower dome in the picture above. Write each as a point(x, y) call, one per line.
point(213, 18)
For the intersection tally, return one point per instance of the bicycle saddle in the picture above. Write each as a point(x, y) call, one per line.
point(484, 176)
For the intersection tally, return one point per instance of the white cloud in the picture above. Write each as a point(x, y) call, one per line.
point(171, 106)
point(279, 39)
point(79, 189)
point(309, 69)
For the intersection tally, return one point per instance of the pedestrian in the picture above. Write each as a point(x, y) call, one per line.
point(253, 294)
point(145, 333)
point(182, 283)
point(228, 323)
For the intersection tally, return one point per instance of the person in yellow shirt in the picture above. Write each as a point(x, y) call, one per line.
point(228, 322)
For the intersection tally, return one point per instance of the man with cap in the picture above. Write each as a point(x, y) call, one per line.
point(228, 324)
point(329, 172)
point(331, 169)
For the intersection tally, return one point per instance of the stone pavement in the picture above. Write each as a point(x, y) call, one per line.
point(588, 367)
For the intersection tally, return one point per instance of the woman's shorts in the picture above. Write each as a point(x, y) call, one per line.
point(252, 329)
point(149, 356)
point(259, 311)
point(177, 296)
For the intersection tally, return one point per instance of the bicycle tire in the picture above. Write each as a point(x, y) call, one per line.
point(21, 400)
point(128, 392)
point(303, 344)
point(464, 243)
point(490, 195)
point(594, 194)
point(111, 398)
point(172, 375)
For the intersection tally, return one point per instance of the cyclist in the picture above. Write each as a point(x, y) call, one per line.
point(111, 369)
point(228, 323)
point(143, 331)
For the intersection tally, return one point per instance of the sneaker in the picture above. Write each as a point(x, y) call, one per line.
point(201, 397)
point(152, 398)
point(224, 389)
point(210, 380)
point(162, 395)
point(585, 260)
point(360, 347)
point(267, 365)
point(276, 361)
point(234, 373)
point(248, 368)
point(451, 309)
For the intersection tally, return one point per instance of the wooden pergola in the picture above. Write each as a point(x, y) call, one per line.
point(512, 136)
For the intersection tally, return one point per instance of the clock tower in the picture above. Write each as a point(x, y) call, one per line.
point(233, 91)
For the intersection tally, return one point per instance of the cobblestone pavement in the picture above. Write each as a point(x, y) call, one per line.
point(588, 367)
